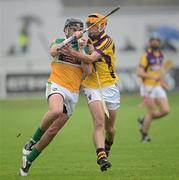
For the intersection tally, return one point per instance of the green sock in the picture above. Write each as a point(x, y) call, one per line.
point(33, 155)
point(38, 134)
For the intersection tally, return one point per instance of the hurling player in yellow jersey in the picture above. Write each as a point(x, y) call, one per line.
point(61, 92)
point(103, 58)
point(152, 88)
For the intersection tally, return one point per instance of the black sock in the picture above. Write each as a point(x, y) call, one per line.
point(108, 145)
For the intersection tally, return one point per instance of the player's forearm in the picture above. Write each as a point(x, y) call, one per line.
point(86, 68)
point(83, 57)
point(144, 75)
point(141, 73)
point(164, 84)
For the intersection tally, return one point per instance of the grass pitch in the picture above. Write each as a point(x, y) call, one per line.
point(71, 156)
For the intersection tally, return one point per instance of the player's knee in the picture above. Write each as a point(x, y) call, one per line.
point(56, 112)
point(165, 112)
point(99, 125)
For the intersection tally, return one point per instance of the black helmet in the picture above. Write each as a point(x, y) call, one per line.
point(74, 22)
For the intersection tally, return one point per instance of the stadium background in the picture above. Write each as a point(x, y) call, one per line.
point(26, 72)
point(23, 74)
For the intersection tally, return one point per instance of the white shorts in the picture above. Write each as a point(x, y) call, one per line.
point(152, 91)
point(110, 94)
point(70, 98)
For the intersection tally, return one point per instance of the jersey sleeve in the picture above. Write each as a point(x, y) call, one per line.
point(143, 61)
point(56, 41)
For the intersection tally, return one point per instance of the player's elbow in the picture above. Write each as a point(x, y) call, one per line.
point(166, 111)
point(53, 54)
point(53, 51)
point(138, 73)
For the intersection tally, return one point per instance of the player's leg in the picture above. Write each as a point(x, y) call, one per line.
point(164, 108)
point(55, 109)
point(51, 132)
point(98, 121)
point(51, 93)
point(149, 102)
point(112, 98)
point(151, 109)
point(69, 100)
point(110, 130)
point(30, 153)
point(47, 137)
point(162, 102)
point(98, 134)
point(142, 103)
point(96, 108)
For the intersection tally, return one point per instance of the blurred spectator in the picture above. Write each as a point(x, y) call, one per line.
point(166, 45)
point(11, 50)
point(168, 34)
point(23, 39)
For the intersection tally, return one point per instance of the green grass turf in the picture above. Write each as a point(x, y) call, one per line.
point(71, 156)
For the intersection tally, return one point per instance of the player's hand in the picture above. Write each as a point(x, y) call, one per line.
point(91, 48)
point(53, 50)
point(165, 85)
point(86, 68)
point(156, 78)
point(82, 42)
point(67, 50)
point(78, 34)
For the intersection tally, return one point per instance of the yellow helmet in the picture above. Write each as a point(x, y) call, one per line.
point(95, 17)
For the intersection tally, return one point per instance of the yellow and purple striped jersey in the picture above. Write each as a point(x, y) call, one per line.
point(152, 62)
point(66, 70)
point(105, 66)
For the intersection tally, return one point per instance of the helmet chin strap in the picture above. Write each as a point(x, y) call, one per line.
point(101, 28)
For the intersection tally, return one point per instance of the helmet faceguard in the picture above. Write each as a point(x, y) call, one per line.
point(99, 27)
point(72, 25)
